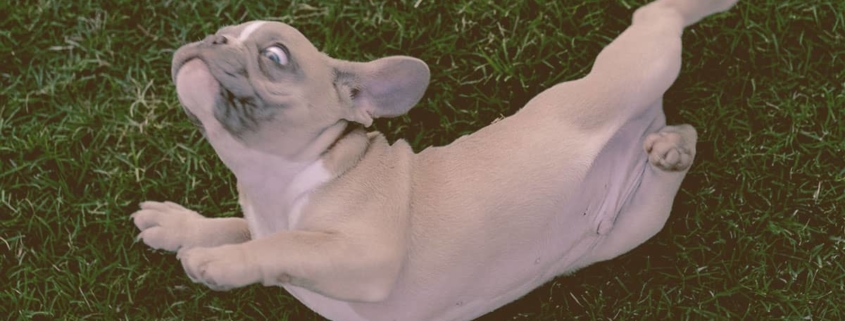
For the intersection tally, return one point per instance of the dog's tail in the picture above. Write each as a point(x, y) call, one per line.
point(692, 11)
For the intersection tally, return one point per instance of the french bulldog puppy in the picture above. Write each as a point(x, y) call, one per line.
point(359, 229)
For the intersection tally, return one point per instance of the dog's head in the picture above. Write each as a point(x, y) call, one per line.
point(264, 84)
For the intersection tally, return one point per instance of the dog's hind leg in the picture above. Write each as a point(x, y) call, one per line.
point(634, 70)
point(670, 154)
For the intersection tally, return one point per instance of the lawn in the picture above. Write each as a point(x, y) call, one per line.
point(90, 126)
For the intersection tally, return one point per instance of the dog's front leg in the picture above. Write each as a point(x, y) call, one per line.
point(331, 264)
point(171, 227)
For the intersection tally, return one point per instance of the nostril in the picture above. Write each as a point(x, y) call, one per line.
point(215, 40)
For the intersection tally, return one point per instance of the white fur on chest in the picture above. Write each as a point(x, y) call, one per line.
point(273, 203)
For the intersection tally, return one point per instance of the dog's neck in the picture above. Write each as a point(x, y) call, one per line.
point(276, 183)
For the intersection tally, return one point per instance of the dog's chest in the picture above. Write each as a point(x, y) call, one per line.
point(272, 201)
point(260, 220)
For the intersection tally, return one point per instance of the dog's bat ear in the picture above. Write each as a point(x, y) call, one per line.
point(387, 87)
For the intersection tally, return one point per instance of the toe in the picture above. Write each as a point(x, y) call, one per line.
point(672, 156)
point(153, 205)
point(145, 219)
point(158, 238)
point(174, 206)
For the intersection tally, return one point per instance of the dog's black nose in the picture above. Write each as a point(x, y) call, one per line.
point(215, 40)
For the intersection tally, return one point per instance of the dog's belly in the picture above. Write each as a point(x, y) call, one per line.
point(575, 229)
point(516, 246)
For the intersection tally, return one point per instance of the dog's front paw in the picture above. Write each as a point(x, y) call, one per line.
point(164, 225)
point(220, 268)
point(672, 148)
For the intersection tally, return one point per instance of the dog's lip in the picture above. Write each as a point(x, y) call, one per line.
point(185, 54)
point(181, 63)
point(196, 86)
point(177, 67)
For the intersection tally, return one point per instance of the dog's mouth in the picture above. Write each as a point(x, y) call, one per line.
point(205, 98)
point(178, 64)
point(193, 68)
point(239, 114)
point(197, 89)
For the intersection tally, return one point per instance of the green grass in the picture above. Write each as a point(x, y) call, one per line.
point(90, 126)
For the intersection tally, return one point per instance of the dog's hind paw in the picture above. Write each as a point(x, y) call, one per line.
point(672, 148)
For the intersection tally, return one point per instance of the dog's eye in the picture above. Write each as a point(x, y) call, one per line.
point(276, 54)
